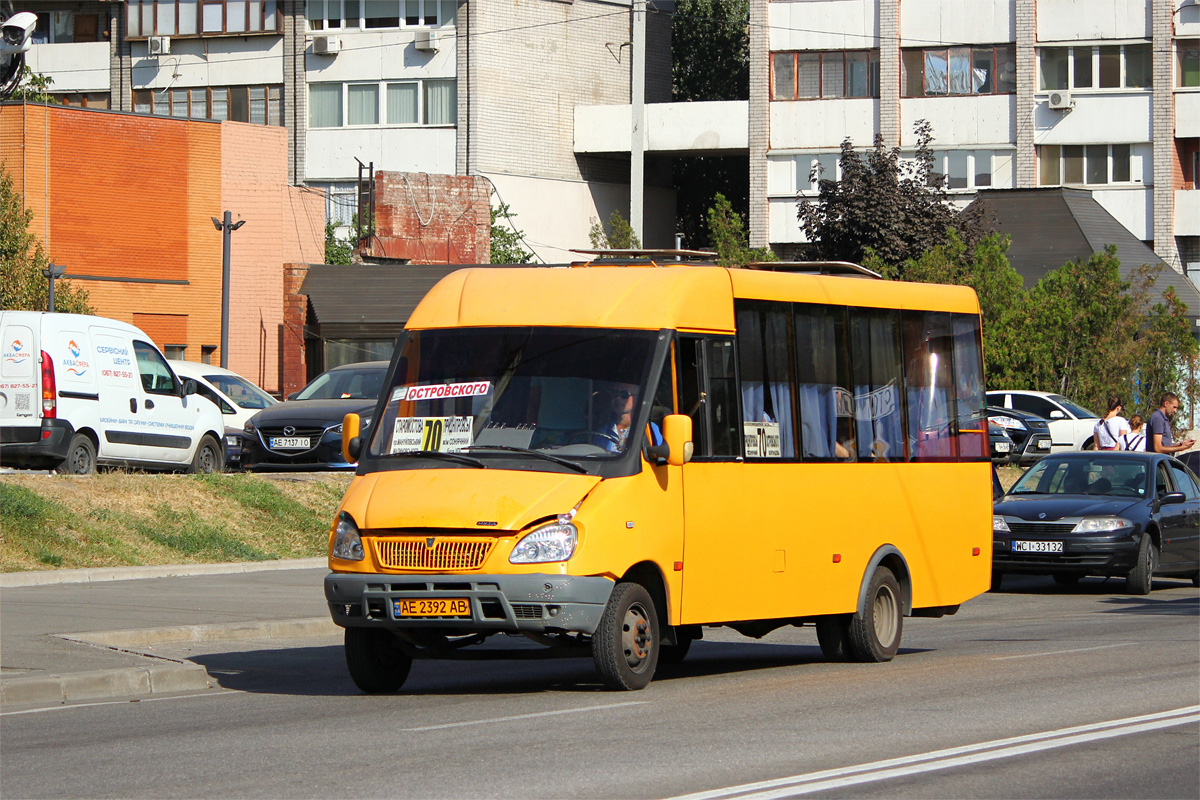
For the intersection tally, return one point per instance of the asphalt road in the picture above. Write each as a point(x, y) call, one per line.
point(1037, 691)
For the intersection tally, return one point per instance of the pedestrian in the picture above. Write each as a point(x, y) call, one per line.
point(1111, 427)
point(1161, 439)
point(1136, 438)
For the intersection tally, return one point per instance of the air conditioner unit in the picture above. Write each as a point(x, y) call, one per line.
point(159, 45)
point(427, 41)
point(1060, 101)
point(326, 45)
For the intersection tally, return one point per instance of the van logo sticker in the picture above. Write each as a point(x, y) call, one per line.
point(289, 430)
point(441, 391)
point(76, 367)
point(16, 352)
point(74, 348)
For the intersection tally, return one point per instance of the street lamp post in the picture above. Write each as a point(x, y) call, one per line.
point(53, 271)
point(226, 226)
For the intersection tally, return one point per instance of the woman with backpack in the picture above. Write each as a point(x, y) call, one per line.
point(1136, 438)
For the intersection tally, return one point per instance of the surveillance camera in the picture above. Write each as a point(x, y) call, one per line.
point(18, 32)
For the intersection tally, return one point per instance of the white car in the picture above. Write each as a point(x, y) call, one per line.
point(1071, 425)
point(238, 399)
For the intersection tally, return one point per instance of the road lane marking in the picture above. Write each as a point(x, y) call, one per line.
point(948, 758)
point(468, 723)
point(1064, 652)
point(127, 702)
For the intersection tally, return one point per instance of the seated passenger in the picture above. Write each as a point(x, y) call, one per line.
point(613, 434)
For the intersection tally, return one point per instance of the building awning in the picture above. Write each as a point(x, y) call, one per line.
point(1053, 226)
point(369, 301)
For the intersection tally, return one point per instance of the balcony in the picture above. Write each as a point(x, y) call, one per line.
point(687, 128)
point(73, 66)
point(1187, 212)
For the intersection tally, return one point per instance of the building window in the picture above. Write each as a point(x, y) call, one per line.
point(201, 17)
point(966, 169)
point(824, 74)
point(174, 352)
point(357, 14)
point(262, 105)
point(1090, 164)
point(206, 353)
point(1117, 66)
point(426, 102)
point(1187, 63)
point(938, 71)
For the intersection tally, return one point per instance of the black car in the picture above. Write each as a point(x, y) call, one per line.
point(1001, 443)
point(305, 431)
point(1100, 512)
point(1029, 432)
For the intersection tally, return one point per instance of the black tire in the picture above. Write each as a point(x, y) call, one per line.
point(626, 643)
point(997, 579)
point(208, 458)
point(1140, 579)
point(1067, 578)
point(675, 653)
point(875, 633)
point(833, 634)
point(81, 456)
point(376, 661)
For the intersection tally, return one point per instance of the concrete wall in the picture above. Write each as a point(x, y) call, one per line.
point(1084, 20)
point(431, 219)
point(925, 21)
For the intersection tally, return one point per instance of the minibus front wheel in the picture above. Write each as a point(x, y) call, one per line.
point(626, 643)
point(377, 662)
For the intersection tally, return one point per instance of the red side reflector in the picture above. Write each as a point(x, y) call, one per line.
point(974, 551)
point(679, 566)
point(46, 434)
point(837, 558)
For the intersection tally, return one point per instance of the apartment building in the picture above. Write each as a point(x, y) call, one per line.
point(445, 87)
point(1096, 94)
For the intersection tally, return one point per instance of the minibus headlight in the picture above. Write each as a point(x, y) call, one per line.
point(553, 542)
point(346, 544)
point(999, 525)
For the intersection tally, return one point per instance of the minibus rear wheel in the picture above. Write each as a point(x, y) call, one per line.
point(626, 644)
point(376, 661)
point(875, 631)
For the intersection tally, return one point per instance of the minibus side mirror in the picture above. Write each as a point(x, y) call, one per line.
point(351, 443)
point(677, 435)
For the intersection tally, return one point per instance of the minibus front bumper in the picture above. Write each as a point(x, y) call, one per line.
point(537, 603)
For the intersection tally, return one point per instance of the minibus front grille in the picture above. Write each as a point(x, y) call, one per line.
point(433, 553)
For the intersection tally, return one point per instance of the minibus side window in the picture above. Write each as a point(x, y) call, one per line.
point(968, 378)
point(707, 393)
point(928, 378)
point(823, 375)
point(765, 375)
point(875, 364)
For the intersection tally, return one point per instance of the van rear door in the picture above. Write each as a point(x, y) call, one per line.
point(20, 376)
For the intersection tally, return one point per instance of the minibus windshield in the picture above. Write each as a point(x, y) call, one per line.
point(561, 392)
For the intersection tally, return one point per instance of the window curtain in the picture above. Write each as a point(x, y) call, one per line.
point(935, 72)
point(325, 105)
point(440, 103)
point(960, 71)
point(363, 104)
point(402, 104)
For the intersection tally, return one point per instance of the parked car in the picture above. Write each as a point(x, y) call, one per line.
point(238, 399)
point(305, 431)
point(1001, 442)
point(1071, 425)
point(77, 391)
point(1030, 433)
point(1100, 512)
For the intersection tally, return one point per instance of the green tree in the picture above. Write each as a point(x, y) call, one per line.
point(898, 209)
point(1166, 354)
point(710, 60)
point(337, 250)
point(507, 241)
point(618, 235)
point(728, 236)
point(34, 88)
point(22, 259)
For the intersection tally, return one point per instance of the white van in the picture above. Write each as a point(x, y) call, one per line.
point(77, 391)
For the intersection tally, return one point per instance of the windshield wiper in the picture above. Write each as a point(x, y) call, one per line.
point(534, 453)
point(437, 454)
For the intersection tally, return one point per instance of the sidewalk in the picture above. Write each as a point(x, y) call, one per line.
point(73, 635)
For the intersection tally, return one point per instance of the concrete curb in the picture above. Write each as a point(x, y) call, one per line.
point(163, 678)
point(12, 580)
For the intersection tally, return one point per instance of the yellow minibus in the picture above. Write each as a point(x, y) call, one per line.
point(609, 458)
